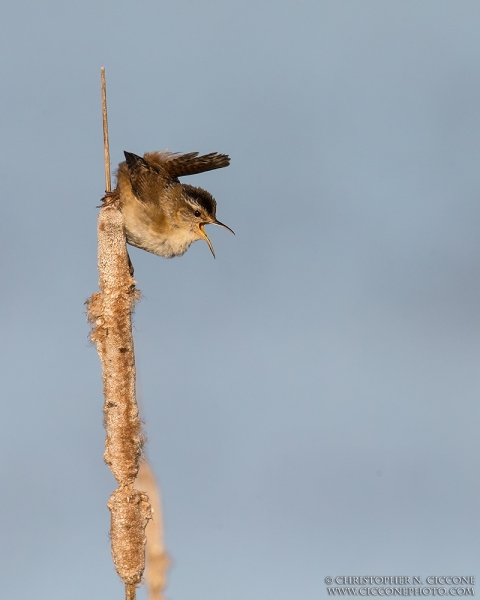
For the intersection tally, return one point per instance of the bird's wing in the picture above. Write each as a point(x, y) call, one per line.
point(178, 165)
point(147, 180)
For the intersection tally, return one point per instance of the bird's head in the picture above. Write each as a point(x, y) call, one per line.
point(198, 208)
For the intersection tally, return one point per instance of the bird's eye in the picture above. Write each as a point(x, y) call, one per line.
point(197, 213)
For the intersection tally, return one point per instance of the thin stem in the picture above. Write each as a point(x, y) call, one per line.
point(106, 150)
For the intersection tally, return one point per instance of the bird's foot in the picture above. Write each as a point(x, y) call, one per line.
point(110, 198)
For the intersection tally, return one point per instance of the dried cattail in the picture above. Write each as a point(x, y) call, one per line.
point(110, 311)
point(130, 513)
point(157, 561)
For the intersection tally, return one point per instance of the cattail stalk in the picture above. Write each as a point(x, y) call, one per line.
point(157, 561)
point(110, 312)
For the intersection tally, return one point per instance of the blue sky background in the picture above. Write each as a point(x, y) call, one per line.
point(310, 396)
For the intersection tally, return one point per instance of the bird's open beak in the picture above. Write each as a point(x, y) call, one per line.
point(207, 239)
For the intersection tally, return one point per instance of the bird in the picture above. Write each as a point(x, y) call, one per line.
point(162, 215)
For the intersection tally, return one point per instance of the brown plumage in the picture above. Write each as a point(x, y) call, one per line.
point(161, 214)
point(178, 165)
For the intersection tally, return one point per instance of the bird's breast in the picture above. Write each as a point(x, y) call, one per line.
point(168, 246)
point(155, 235)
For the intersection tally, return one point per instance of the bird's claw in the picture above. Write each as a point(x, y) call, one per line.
point(110, 198)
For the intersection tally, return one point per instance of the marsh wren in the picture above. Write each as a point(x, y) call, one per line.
point(161, 214)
